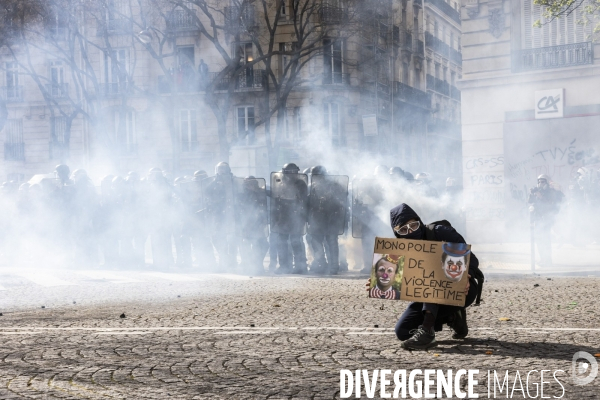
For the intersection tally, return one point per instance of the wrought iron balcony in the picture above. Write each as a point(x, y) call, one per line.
point(335, 78)
point(446, 9)
point(411, 95)
point(58, 90)
point(59, 150)
point(182, 20)
point(455, 56)
point(14, 151)
point(251, 79)
point(332, 15)
point(562, 56)
point(454, 93)
point(12, 94)
point(437, 45)
point(240, 19)
point(438, 85)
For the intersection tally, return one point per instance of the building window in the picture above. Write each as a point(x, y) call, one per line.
point(559, 31)
point(117, 15)
point(116, 71)
point(332, 123)
point(59, 146)
point(283, 8)
point(57, 87)
point(12, 91)
point(405, 74)
point(14, 146)
point(124, 131)
point(245, 124)
point(452, 78)
point(57, 23)
point(245, 56)
point(333, 61)
point(417, 79)
point(188, 130)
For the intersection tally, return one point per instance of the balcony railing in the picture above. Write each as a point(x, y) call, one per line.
point(562, 56)
point(182, 20)
point(12, 94)
point(332, 15)
point(455, 56)
point(58, 90)
point(411, 95)
point(14, 151)
point(251, 79)
point(454, 93)
point(59, 150)
point(240, 19)
point(446, 9)
point(335, 78)
point(438, 85)
point(437, 45)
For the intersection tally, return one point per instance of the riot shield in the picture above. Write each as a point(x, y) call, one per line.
point(327, 204)
point(218, 210)
point(250, 205)
point(289, 203)
point(366, 197)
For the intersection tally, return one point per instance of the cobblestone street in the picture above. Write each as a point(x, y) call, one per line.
point(275, 337)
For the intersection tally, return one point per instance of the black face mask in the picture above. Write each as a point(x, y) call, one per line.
point(416, 235)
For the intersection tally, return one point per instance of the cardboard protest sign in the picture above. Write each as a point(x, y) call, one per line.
point(419, 270)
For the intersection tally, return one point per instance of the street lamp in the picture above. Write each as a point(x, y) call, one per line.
point(145, 36)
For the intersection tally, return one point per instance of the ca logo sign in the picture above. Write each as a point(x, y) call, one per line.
point(548, 104)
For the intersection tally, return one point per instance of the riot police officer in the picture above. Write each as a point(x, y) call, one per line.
point(289, 204)
point(217, 192)
point(326, 218)
point(545, 203)
point(251, 208)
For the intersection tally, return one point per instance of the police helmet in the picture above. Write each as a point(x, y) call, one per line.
point(222, 168)
point(544, 176)
point(290, 168)
point(422, 177)
point(200, 174)
point(409, 177)
point(318, 170)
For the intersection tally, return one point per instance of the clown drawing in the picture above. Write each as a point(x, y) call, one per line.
point(455, 260)
point(388, 272)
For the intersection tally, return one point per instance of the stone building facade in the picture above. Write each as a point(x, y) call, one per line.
point(386, 90)
point(529, 107)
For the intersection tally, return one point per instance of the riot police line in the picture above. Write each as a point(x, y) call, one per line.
point(219, 223)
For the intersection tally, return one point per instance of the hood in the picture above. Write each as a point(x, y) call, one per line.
point(399, 215)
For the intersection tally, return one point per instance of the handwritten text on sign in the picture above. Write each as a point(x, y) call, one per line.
point(433, 272)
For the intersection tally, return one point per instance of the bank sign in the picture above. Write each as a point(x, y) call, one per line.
point(549, 103)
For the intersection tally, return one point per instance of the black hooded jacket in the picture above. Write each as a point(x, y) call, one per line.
point(401, 214)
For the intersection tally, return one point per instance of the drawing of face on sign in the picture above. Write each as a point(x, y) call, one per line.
point(455, 260)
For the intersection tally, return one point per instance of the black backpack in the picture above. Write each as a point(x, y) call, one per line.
point(475, 272)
